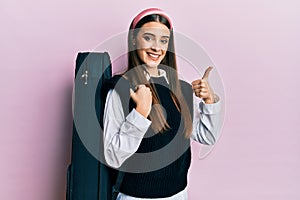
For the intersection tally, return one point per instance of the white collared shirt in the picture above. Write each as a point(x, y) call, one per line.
point(123, 134)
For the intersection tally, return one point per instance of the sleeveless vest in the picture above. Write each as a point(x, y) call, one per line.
point(168, 152)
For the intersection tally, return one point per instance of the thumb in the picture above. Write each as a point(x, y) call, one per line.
point(207, 71)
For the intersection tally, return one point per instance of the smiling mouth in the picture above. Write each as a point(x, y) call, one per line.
point(154, 57)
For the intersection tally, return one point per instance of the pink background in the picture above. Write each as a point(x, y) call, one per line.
point(254, 45)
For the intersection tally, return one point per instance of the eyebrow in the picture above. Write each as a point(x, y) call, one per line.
point(155, 35)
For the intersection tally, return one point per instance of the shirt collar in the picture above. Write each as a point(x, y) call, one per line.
point(161, 73)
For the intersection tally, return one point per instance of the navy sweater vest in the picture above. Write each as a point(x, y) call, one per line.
point(170, 178)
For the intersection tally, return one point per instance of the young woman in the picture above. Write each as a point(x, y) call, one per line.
point(159, 114)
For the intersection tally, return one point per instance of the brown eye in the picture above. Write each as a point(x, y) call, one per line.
point(164, 41)
point(147, 38)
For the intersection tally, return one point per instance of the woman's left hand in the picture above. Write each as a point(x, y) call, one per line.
point(202, 88)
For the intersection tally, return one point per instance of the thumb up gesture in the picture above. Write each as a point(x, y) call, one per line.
point(202, 88)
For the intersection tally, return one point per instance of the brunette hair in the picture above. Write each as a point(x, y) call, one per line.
point(136, 74)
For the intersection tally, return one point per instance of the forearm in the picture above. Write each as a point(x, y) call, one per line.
point(206, 122)
point(122, 136)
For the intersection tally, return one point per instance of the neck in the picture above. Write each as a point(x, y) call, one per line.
point(153, 71)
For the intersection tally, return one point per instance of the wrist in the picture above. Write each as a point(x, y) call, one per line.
point(142, 111)
point(210, 100)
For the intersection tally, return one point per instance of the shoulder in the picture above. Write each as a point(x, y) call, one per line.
point(186, 88)
point(117, 82)
point(187, 91)
point(184, 84)
point(119, 86)
point(109, 85)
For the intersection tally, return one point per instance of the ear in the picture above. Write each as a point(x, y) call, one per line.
point(133, 41)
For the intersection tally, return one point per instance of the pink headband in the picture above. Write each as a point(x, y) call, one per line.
point(150, 11)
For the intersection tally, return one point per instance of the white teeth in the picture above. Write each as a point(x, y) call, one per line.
point(153, 55)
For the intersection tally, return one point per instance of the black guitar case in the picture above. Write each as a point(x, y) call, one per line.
point(87, 177)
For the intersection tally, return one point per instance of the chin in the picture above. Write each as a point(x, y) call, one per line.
point(152, 65)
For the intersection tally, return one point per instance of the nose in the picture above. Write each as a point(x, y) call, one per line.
point(156, 46)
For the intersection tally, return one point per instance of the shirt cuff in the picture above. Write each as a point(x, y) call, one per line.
point(210, 109)
point(138, 120)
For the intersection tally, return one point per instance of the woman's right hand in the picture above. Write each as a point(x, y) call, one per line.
point(143, 99)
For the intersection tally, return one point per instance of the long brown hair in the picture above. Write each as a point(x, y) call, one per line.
point(135, 74)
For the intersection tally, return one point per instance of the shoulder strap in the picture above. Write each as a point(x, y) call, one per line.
point(116, 187)
point(122, 86)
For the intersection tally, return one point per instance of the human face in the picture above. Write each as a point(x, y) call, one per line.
point(152, 44)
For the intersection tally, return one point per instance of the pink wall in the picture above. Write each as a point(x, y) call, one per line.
point(254, 45)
